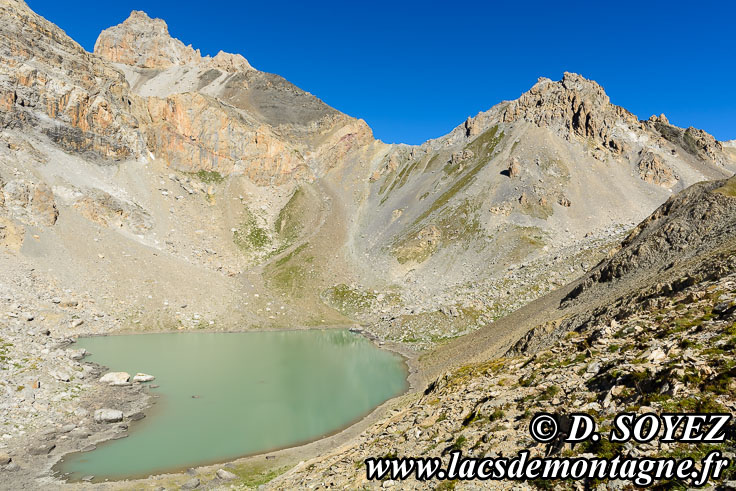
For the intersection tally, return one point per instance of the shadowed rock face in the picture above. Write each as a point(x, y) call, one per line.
point(275, 100)
point(688, 224)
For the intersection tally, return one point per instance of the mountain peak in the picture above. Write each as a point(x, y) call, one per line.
point(145, 42)
point(573, 105)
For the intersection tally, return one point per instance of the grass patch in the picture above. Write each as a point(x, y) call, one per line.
point(250, 236)
point(253, 476)
point(482, 147)
point(549, 392)
point(290, 274)
point(209, 176)
point(295, 214)
point(728, 189)
point(459, 443)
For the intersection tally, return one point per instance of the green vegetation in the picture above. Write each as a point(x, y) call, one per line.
point(458, 225)
point(705, 403)
point(603, 448)
point(290, 222)
point(446, 485)
point(497, 414)
point(350, 300)
point(461, 223)
point(418, 247)
point(255, 475)
point(4, 352)
point(290, 273)
point(470, 418)
point(346, 298)
point(249, 236)
point(528, 381)
point(210, 176)
point(482, 148)
point(549, 392)
point(459, 443)
point(399, 180)
point(728, 189)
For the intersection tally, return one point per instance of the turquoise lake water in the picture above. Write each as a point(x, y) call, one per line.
point(257, 391)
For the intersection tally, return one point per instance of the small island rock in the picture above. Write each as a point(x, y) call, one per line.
point(143, 377)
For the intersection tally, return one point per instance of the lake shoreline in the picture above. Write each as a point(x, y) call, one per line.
point(276, 457)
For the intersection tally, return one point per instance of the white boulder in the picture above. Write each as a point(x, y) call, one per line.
point(115, 378)
point(107, 415)
point(143, 377)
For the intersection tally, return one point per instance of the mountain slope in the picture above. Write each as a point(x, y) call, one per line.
point(653, 336)
point(548, 180)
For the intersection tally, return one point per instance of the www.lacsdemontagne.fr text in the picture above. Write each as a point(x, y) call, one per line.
point(642, 471)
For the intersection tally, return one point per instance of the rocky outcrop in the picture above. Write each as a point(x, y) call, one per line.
point(193, 132)
point(107, 210)
point(52, 84)
point(419, 247)
point(573, 106)
point(693, 140)
point(30, 203)
point(514, 168)
point(654, 170)
point(143, 377)
point(11, 235)
point(701, 218)
point(657, 361)
point(107, 415)
point(115, 378)
point(232, 119)
point(57, 89)
point(144, 42)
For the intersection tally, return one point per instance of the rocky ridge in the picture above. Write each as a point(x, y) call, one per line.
point(146, 43)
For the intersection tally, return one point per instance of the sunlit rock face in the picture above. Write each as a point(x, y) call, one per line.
point(48, 81)
point(222, 115)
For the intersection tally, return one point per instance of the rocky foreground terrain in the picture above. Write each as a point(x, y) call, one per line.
point(146, 187)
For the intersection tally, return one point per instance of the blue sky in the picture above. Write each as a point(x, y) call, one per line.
point(415, 70)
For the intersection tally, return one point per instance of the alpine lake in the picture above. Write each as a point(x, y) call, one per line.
point(222, 396)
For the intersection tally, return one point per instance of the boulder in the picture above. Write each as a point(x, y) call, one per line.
point(5, 459)
point(67, 428)
point(226, 475)
point(42, 449)
point(115, 378)
point(107, 415)
point(60, 376)
point(77, 354)
point(143, 377)
point(191, 484)
point(514, 168)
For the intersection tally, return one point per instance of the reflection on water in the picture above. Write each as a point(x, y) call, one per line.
point(256, 391)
